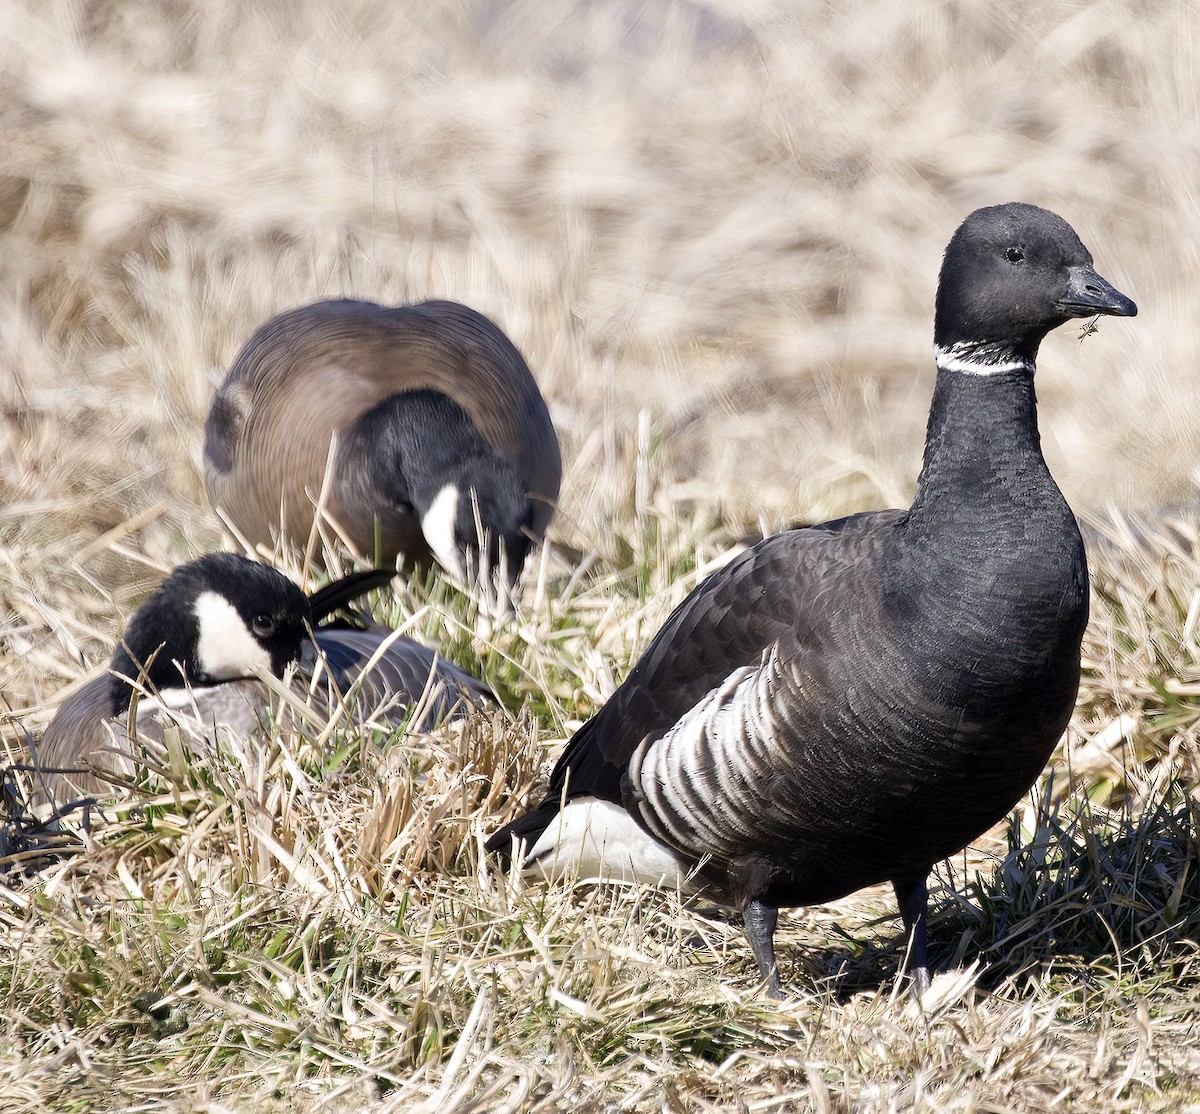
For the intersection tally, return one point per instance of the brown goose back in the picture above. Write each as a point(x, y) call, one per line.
point(307, 375)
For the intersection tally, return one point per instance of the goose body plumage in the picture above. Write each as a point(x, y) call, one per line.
point(422, 410)
point(201, 642)
point(848, 703)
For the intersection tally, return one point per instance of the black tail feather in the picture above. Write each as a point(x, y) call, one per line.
point(582, 770)
point(526, 828)
point(325, 601)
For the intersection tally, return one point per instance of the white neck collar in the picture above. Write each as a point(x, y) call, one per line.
point(973, 359)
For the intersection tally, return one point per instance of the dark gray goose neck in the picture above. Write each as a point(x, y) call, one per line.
point(415, 438)
point(419, 454)
point(982, 450)
point(1011, 273)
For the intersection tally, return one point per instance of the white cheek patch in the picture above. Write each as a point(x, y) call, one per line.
point(437, 524)
point(226, 649)
point(962, 357)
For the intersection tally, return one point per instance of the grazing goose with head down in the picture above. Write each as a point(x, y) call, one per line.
point(439, 428)
point(849, 703)
point(201, 642)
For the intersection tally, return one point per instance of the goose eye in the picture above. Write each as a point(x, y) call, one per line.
point(1015, 255)
point(262, 626)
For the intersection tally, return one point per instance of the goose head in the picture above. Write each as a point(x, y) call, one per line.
point(1011, 274)
point(220, 618)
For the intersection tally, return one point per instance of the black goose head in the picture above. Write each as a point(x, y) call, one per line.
point(219, 618)
point(478, 521)
point(1012, 273)
point(427, 459)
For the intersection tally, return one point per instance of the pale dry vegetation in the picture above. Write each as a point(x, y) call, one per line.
point(714, 230)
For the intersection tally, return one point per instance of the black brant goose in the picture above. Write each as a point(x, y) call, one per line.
point(202, 638)
point(849, 703)
point(437, 425)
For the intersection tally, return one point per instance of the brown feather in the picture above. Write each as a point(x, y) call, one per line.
point(309, 374)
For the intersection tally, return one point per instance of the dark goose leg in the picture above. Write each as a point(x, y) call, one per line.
point(914, 902)
point(760, 918)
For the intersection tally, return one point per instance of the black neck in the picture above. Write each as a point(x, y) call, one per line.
point(989, 532)
point(158, 671)
point(982, 450)
point(415, 440)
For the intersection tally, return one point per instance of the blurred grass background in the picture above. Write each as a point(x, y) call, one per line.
point(714, 230)
point(729, 216)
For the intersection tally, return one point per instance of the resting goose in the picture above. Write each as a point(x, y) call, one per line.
point(439, 426)
point(202, 639)
point(849, 703)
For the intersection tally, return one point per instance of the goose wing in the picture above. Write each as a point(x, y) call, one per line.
point(74, 737)
point(717, 660)
point(404, 673)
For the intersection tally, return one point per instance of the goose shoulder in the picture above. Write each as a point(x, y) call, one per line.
point(772, 597)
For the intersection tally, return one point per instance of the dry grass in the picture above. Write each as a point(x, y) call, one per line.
point(714, 230)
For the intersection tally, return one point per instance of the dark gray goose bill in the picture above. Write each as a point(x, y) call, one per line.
point(1089, 293)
